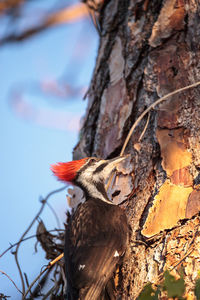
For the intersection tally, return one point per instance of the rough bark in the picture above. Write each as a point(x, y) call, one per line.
point(148, 49)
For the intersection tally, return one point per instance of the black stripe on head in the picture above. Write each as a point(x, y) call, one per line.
point(101, 188)
point(89, 162)
point(100, 168)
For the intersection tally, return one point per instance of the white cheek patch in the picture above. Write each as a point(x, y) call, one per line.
point(81, 267)
point(116, 254)
point(88, 180)
point(106, 173)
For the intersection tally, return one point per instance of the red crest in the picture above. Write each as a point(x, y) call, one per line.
point(67, 171)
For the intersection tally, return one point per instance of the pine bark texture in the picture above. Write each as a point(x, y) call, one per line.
point(148, 49)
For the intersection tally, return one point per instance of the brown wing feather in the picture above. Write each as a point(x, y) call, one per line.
point(95, 241)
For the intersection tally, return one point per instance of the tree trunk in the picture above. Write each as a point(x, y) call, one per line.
point(148, 49)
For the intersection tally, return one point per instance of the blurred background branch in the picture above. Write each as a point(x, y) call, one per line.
point(47, 54)
point(14, 10)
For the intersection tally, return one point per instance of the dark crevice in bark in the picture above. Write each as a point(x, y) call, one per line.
point(96, 113)
point(118, 18)
point(115, 153)
point(100, 81)
point(156, 8)
point(136, 104)
point(138, 61)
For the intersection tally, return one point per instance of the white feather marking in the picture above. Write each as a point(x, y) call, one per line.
point(116, 254)
point(81, 267)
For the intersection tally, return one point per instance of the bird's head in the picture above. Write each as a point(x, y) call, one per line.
point(89, 173)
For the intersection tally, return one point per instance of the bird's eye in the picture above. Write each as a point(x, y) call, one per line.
point(92, 160)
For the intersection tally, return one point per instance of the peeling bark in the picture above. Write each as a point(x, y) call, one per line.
point(148, 49)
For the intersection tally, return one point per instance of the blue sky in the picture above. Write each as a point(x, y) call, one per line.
point(29, 146)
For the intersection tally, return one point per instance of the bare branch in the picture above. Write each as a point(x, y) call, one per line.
point(145, 128)
point(51, 264)
point(32, 284)
point(66, 15)
point(9, 5)
point(10, 280)
point(44, 201)
point(28, 238)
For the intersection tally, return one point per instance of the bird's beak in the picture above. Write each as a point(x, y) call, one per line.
point(116, 160)
point(112, 163)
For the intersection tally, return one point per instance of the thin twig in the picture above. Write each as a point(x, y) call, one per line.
point(27, 283)
point(51, 263)
point(26, 279)
point(10, 280)
point(34, 281)
point(40, 284)
point(53, 288)
point(145, 128)
point(110, 179)
point(50, 292)
point(44, 201)
point(28, 238)
point(188, 252)
point(181, 259)
point(151, 107)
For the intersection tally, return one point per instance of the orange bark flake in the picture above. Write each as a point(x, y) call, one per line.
point(168, 208)
point(193, 204)
point(175, 156)
point(176, 20)
point(171, 19)
point(182, 176)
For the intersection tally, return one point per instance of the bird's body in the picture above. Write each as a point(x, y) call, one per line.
point(96, 237)
point(99, 229)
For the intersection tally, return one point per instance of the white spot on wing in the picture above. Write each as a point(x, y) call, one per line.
point(81, 267)
point(116, 254)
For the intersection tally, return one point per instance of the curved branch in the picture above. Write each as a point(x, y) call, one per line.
point(10, 280)
point(151, 107)
point(44, 201)
point(28, 238)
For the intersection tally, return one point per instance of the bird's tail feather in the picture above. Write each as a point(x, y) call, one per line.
point(99, 292)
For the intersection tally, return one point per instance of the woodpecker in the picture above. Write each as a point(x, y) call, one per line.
point(97, 232)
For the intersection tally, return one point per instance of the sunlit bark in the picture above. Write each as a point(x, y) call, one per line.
point(148, 49)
